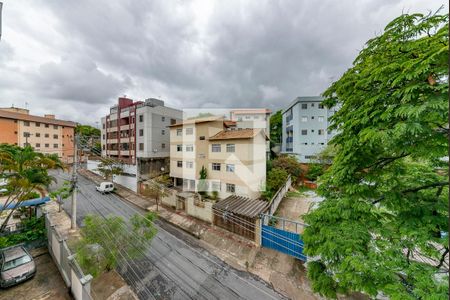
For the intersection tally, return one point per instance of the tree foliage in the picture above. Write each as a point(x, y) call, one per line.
point(386, 192)
point(105, 242)
point(25, 172)
point(276, 126)
point(288, 163)
point(109, 168)
point(275, 179)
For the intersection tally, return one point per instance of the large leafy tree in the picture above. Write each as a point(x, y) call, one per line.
point(379, 227)
point(25, 172)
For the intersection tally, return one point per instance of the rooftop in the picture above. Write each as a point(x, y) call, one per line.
point(26, 117)
point(235, 134)
point(242, 206)
point(304, 99)
point(198, 120)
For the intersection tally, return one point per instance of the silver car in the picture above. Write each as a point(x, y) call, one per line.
point(16, 265)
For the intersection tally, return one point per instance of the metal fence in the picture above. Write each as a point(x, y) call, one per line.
point(276, 199)
point(79, 284)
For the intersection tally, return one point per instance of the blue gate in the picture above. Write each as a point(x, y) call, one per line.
point(280, 239)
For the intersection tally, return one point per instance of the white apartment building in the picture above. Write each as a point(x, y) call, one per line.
point(235, 160)
point(305, 128)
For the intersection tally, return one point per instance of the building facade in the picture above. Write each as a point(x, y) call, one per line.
point(45, 134)
point(257, 118)
point(305, 128)
point(235, 160)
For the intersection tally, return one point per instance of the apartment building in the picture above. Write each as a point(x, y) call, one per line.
point(235, 159)
point(137, 133)
point(45, 134)
point(305, 128)
point(257, 118)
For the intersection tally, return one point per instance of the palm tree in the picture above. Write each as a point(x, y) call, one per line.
point(25, 171)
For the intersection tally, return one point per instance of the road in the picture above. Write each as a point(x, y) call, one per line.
point(174, 266)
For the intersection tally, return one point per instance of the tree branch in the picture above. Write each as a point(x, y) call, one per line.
point(416, 189)
point(386, 160)
point(441, 261)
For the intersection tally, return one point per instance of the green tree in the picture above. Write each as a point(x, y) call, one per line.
point(105, 242)
point(387, 189)
point(202, 184)
point(62, 193)
point(25, 172)
point(276, 128)
point(314, 171)
point(275, 179)
point(87, 131)
point(156, 189)
point(290, 164)
point(109, 168)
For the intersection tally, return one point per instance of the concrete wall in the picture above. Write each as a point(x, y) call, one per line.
point(203, 211)
point(171, 199)
point(127, 181)
point(130, 182)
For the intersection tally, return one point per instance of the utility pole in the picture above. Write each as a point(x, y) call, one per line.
point(73, 223)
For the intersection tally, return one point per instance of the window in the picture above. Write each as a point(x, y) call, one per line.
point(55, 126)
point(55, 145)
point(328, 131)
point(189, 148)
point(179, 164)
point(47, 126)
point(103, 136)
point(55, 136)
point(320, 118)
point(230, 168)
point(304, 132)
point(312, 118)
point(215, 147)
point(141, 118)
point(312, 130)
point(215, 186)
point(163, 146)
point(230, 147)
point(38, 124)
point(179, 148)
point(38, 135)
point(163, 132)
point(47, 145)
point(231, 188)
point(141, 146)
point(179, 132)
point(189, 131)
point(312, 104)
point(247, 117)
point(26, 123)
point(304, 119)
point(173, 121)
point(103, 147)
point(320, 106)
point(321, 131)
point(47, 135)
point(163, 119)
point(216, 166)
point(141, 132)
point(26, 134)
point(38, 145)
point(189, 164)
point(103, 125)
point(304, 106)
point(202, 138)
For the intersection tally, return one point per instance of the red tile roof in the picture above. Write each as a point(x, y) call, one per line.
point(235, 134)
point(25, 117)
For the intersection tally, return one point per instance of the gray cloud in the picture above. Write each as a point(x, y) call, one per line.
point(229, 54)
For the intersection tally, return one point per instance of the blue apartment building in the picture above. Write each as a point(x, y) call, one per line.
point(305, 128)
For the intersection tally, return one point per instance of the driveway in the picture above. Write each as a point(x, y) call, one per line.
point(175, 266)
point(46, 284)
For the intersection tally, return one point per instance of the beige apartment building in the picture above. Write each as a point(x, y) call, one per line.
point(235, 159)
point(45, 134)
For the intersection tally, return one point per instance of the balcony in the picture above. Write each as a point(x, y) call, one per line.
point(126, 126)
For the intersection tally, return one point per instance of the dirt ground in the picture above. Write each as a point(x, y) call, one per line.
point(47, 284)
point(111, 286)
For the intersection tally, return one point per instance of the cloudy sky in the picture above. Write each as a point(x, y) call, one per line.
point(74, 58)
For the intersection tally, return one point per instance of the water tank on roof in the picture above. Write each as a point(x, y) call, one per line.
point(154, 102)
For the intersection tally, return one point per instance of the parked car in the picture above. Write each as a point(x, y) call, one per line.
point(105, 187)
point(16, 265)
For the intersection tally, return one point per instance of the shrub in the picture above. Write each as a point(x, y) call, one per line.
point(290, 164)
point(274, 180)
point(314, 171)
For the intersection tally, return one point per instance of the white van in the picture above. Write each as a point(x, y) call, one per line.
point(105, 187)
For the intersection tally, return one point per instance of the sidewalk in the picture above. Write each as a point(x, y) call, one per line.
point(285, 273)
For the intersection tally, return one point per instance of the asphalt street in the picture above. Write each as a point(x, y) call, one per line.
point(174, 266)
